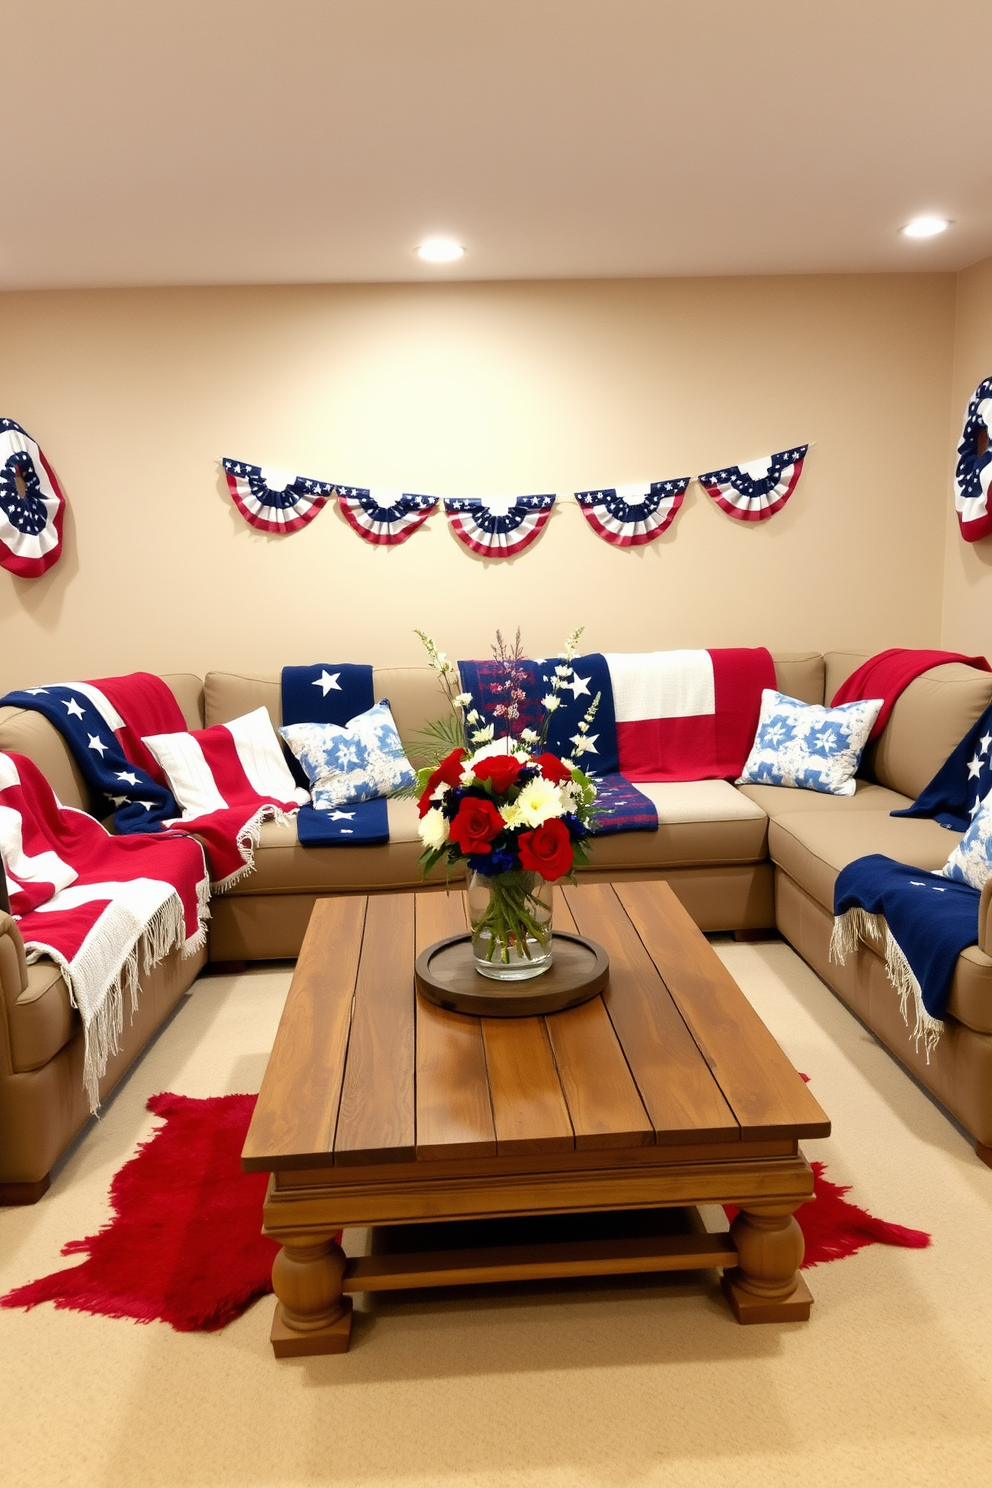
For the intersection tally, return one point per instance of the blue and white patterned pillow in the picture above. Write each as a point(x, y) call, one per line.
point(361, 762)
point(807, 746)
point(971, 860)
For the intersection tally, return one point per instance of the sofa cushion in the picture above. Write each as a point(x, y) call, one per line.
point(800, 674)
point(813, 846)
point(782, 800)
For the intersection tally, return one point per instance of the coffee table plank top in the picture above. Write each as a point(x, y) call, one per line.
point(364, 1072)
point(600, 1092)
point(760, 1084)
point(377, 1118)
point(297, 1107)
point(679, 1092)
point(454, 1114)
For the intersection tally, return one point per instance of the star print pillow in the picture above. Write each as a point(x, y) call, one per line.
point(807, 746)
point(359, 762)
point(971, 860)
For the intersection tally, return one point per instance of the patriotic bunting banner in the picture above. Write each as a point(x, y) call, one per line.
point(498, 529)
point(384, 517)
point(974, 468)
point(274, 500)
point(627, 516)
point(31, 505)
point(756, 490)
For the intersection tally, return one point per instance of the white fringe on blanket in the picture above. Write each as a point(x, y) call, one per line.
point(857, 925)
point(247, 841)
point(106, 966)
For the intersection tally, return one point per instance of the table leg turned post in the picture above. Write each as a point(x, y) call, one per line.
point(312, 1315)
point(765, 1286)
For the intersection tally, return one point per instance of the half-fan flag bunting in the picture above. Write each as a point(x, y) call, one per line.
point(31, 505)
point(973, 472)
point(383, 517)
point(757, 489)
point(498, 529)
point(274, 500)
point(630, 515)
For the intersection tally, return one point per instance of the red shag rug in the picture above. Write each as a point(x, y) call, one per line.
point(183, 1245)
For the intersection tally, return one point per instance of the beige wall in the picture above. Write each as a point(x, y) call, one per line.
point(474, 389)
point(967, 611)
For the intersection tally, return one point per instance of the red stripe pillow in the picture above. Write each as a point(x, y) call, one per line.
point(229, 764)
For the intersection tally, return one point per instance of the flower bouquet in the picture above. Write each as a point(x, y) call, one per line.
point(517, 815)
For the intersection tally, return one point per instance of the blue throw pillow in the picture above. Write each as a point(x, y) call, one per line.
point(808, 746)
point(361, 762)
point(971, 860)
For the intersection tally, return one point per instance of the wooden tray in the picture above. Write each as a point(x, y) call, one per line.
point(446, 974)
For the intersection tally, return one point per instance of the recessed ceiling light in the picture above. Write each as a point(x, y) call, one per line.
point(440, 250)
point(925, 227)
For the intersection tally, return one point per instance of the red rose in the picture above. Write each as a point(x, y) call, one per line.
point(552, 768)
point(501, 770)
point(448, 772)
point(547, 850)
point(475, 826)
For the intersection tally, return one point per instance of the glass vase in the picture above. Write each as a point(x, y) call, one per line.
point(510, 915)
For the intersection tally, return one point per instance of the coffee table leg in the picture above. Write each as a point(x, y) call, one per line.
point(765, 1286)
point(312, 1316)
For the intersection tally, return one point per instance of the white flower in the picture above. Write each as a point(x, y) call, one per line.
point(529, 736)
point(563, 671)
point(504, 745)
point(463, 699)
point(483, 735)
point(433, 829)
point(474, 717)
point(583, 745)
point(551, 702)
point(538, 802)
point(511, 814)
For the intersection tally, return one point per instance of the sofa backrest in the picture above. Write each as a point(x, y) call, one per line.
point(22, 731)
point(930, 717)
point(414, 693)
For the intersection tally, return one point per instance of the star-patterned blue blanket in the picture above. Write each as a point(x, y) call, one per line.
point(963, 781)
point(624, 807)
point(932, 920)
point(333, 693)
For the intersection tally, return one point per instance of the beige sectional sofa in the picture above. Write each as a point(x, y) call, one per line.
point(741, 859)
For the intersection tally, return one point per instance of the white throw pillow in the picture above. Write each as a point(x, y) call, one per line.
point(971, 860)
point(809, 746)
point(227, 764)
point(361, 762)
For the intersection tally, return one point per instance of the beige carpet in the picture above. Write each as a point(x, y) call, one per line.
point(628, 1384)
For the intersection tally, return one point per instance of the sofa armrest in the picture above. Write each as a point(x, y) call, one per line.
point(13, 977)
point(985, 919)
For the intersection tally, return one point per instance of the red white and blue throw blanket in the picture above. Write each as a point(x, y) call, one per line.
point(687, 715)
point(624, 807)
point(961, 784)
point(104, 722)
point(104, 908)
point(333, 692)
point(922, 921)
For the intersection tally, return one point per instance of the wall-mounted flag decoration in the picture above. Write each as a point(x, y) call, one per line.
point(31, 505)
point(498, 529)
point(628, 516)
point(973, 472)
point(384, 517)
point(756, 490)
point(274, 500)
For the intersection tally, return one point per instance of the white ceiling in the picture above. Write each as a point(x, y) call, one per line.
point(275, 141)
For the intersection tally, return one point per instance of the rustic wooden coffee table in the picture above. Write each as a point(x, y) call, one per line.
point(379, 1108)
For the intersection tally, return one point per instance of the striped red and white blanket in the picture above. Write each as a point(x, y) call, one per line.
point(104, 908)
